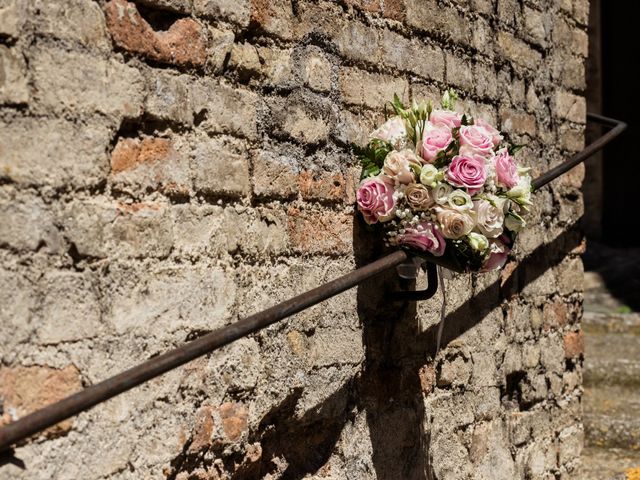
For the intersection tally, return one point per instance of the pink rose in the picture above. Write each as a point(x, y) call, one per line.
point(445, 118)
point(496, 136)
point(475, 139)
point(434, 140)
point(375, 199)
point(506, 169)
point(499, 249)
point(424, 237)
point(467, 171)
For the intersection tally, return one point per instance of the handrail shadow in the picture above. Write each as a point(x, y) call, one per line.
point(389, 390)
point(395, 355)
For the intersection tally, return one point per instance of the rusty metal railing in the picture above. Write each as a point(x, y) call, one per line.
point(89, 397)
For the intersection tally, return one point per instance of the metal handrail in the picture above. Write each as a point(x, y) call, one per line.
point(618, 127)
point(89, 397)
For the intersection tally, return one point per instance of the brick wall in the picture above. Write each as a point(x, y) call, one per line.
point(170, 166)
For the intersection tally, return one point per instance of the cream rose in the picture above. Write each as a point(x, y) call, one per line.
point(418, 197)
point(397, 165)
point(454, 224)
point(489, 217)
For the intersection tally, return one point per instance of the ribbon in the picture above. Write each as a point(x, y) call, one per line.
point(443, 309)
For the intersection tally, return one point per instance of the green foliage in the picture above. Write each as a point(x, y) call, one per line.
point(467, 255)
point(466, 121)
point(449, 99)
point(398, 106)
point(414, 117)
point(513, 149)
point(372, 156)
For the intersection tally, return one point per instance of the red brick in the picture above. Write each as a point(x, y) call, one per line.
point(427, 375)
point(273, 16)
point(372, 6)
point(573, 344)
point(182, 44)
point(580, 249)
point(555, 315)
point(202, 430)
point(26, 389)
point(320, 231)
point(131, 152)
point(326, 186)
point(149, 163)
point(394, 9)
point(234, 420)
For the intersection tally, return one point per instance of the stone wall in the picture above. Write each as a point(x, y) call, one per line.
point(170, 166)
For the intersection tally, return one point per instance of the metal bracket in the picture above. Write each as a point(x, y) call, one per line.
point(418, 295)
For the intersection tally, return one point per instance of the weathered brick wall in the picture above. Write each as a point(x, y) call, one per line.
point(170, 166)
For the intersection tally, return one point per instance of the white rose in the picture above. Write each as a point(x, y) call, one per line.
point(460, 200)
point(478, 242)
point(514, 222)
point(430, 175)
point(489, 218)
point(441, 193)
point(521, 193)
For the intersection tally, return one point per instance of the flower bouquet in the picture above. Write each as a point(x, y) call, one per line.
point(443, 186)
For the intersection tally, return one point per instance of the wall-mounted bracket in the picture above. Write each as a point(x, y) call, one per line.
point(406, 273)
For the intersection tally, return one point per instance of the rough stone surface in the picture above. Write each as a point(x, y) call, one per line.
point(80, 21)
point(168, 167)
point(80, 82)
point(13, 15)
point(14, 88)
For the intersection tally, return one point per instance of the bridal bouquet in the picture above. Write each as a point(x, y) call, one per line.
point(444, 186)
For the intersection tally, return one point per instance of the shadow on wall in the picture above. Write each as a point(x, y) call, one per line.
point(397, 351)
point(389, 390)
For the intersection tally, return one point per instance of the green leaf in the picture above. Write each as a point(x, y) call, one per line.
point(416, 169)
point(372, 156)
point(449, 98)
point(398, 106)
point(369, 171)
point(513, 149)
